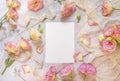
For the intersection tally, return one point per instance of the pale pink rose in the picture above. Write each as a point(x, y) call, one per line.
point(66, 71)
point(12, 14)
point(106, 8)
point(51, 74)
point(24, 44)
point(13, 3)
point(35, 5)
point(109, 31)
point(12, 48)
point(67, 9)
point(116, 34)
point(108, 45)
point(87, 69)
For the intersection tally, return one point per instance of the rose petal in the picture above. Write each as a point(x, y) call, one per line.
point(92, 23)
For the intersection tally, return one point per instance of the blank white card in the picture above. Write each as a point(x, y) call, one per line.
point(59, 40)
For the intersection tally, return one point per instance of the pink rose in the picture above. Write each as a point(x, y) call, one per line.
point(87, 69)
point(35, 5)
point(12, 14)
point(12, 48)
point(106, 8)
point(108, 45)
point(67, 9)
point(116, 34)
point(13, 3)
point(51, 74)
point(24, 44)
point(109, 31)
point(66, 71)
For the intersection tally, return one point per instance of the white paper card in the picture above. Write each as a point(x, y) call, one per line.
point(59, 40)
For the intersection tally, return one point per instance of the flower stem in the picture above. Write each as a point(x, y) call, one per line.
point(4, 70)
point(116, 8)
point(84, 77)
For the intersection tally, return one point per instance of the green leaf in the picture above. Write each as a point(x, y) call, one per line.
point(118, 43)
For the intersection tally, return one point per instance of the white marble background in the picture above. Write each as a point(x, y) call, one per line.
point(108, 68)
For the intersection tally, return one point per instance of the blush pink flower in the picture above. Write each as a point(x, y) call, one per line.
point(12, 14)
point(35, 5)
point(67, 9)
point(106, 8)
point(24, 44)
point(116, 34)
point(12, 48)
point(13, 3)
point(87, 69)
point(109, 31)
point(51, 74)
point(66, 71)
point(108, 45)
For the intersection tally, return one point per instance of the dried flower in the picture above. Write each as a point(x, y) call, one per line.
point(66, 71)
point(12, 14)
point(67, 9)
point(87, 69)
point(24, 44)
point(13, 3)
point(86, 40)
point(26, 68)
point(12, 48)
point(78, 57)
point(107, 8)
point(35, 35)
point(35, 5)
point(108, 45)
point(51, 74)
